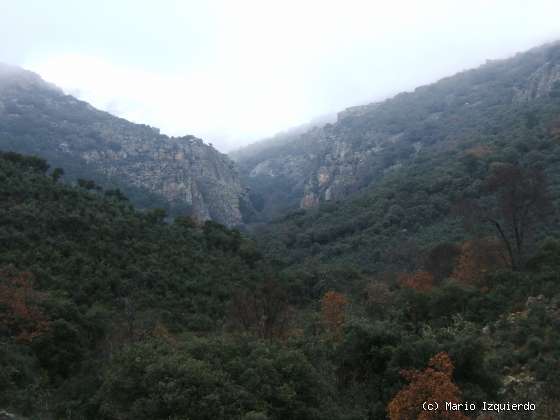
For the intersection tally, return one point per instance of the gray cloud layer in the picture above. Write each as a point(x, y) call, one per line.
point(235, 71)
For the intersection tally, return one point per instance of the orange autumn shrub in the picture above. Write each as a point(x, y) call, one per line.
point(433, 384)
point(20, 316)
point(333, 311)
point(477, 258)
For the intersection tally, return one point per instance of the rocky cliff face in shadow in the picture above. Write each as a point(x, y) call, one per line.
point(180, 173)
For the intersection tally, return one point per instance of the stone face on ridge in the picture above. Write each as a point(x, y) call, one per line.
point(544, 81)
point(332, 161)
point(38, 118)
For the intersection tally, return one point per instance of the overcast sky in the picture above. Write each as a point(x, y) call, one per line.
point(234, 71)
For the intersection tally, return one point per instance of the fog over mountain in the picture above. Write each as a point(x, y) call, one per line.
point(383, 232)
point(235, 72)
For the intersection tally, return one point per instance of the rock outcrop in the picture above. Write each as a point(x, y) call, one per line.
point(181, 173)
point(366, 142)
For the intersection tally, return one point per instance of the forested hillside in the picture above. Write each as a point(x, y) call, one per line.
point(107, 313)
point(453, 188)
point(110, 313)
point(434, 277)
point(499, 105)
point(490, 118)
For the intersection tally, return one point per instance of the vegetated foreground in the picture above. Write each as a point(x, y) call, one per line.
point(431, 272)
point(111, 313)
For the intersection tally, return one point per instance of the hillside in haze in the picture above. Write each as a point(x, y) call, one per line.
point(180, 174)
point(494, 106)
point(386, 183)
point(407, 252)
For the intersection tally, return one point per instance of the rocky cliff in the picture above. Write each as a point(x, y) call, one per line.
point(330, 162)
point(180, 173)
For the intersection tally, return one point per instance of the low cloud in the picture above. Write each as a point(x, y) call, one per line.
point(234, 72)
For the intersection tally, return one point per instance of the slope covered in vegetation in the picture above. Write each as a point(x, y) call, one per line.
point(94, 297)
point(501, 114)
point(108, 313)
point(505, 105)
point(438, 280)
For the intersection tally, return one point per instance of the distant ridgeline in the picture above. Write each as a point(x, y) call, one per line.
point(182, 175)
point(497, 105)
point(386, 181)
point(417, 270)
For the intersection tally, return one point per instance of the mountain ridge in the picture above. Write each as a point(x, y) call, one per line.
point(182, 174)
point(398, 171)
point(332, 162)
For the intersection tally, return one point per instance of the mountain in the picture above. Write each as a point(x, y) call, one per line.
point(366, 143)
point(434, 275)
point(380, 188)
point(181, 174)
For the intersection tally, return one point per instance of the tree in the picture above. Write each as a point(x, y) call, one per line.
point(477, 258)
point(333, 311)
point(441, 259)
point(88, 184)
point(433, 384)
point(57, 174)
point(20, 317)
point(378, 296)
point(403, 257)
point(421, 281)
point(517, 201)
point(29, 162)
point(117, 194)
point(263, 310)
point(156, 216)
point(522, 201)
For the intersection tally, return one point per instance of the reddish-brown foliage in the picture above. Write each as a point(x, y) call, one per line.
point(516, 200)
point(477, 258)
point(421, 281)
point(333, 311)
point(434, 384)
point(20, 317)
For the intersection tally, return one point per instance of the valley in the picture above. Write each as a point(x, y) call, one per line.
point(407, 252)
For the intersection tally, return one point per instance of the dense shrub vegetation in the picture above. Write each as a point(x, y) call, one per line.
point(408, 210)
point(101, 306)
point(438, 280)
point(111, 313)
